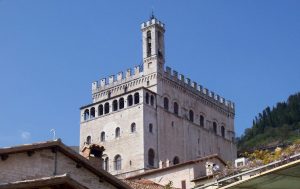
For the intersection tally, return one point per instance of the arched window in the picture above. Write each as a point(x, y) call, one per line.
point(147, 98)
point(86, 114)
point(159, 39)
point(136, 98)
point(166, 103)
point(121, 103)
point(223, 131)
point(117, 133)
point(133, 127)
point(102, 136)
point(88, 140)
point(115, 105)
point(100, 110)
point(129, 100)
point(148, 42)
point(151, 156)
point(175, 108)
point(191, 115)
point(175, 160)
point(152, 100)
point(93, 112)
point(106, 164)
point(201, 120)
point(150, 128)
point(106, 108)
point(117, 162)
point(215, 127)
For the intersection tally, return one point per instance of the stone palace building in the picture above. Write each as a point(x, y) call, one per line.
point(153, 117)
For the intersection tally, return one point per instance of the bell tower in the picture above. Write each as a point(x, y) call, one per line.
point(153, 45)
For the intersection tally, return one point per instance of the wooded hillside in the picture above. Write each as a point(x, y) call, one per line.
point(273, 126)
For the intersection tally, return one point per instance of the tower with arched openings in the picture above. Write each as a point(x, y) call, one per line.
point(151, 114)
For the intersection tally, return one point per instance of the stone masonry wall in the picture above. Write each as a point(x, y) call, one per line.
point(187, 139)
point(41, 163)
point(129, 145)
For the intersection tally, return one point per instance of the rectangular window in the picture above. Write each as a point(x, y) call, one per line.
point(183, 184)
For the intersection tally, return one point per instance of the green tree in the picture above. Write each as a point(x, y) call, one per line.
point(278, 124)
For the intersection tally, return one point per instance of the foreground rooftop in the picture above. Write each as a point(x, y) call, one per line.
point(276, 175)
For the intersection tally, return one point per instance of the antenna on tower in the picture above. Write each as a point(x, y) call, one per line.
point(53, 131)
point(152, 13)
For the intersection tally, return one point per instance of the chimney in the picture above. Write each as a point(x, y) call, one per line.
point(209, 170)
point(161, 164)
point(167, 163)
point(93, 153)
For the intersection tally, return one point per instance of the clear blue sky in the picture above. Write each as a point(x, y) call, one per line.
point(52, 50)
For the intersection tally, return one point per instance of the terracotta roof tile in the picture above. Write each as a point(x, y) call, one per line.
point(177, 165)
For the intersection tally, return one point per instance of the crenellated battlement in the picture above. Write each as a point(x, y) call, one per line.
point(152, 22)
point(148, 106)
point(130, 74)
point(194, 87)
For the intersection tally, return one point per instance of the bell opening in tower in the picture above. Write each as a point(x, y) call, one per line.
point(148, 43)
point(159, 39)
